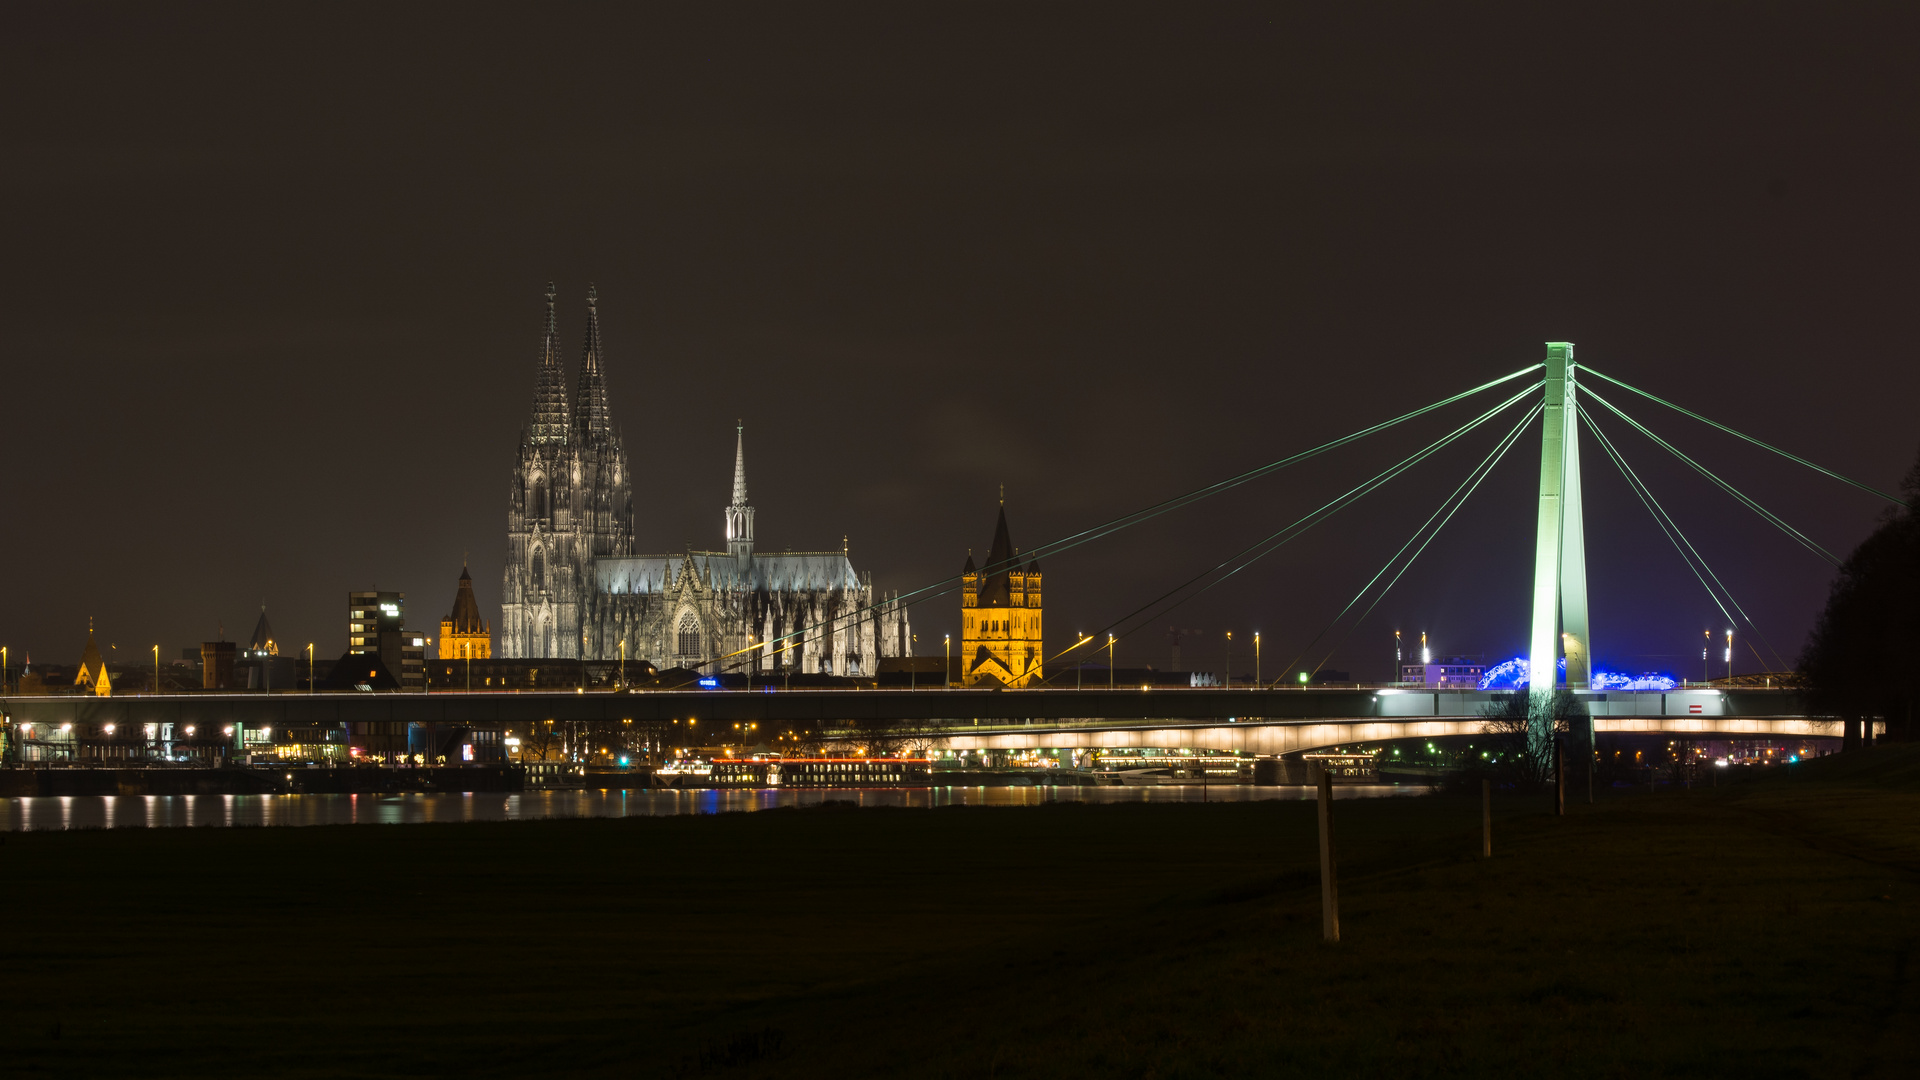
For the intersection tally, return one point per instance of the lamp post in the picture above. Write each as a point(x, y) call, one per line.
point(1226, 670)
point(623, 663)
point(156, 665)
point(946, 673)
point(1110, 644)
point(3, 669)
point(1706, 642)
point(913, 667)
point(309, 667)
point(1256, 659)
point(1729, 656)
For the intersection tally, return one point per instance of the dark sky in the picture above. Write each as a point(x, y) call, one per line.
point(273, 291)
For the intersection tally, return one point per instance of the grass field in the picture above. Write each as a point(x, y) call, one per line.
point(1766, 930)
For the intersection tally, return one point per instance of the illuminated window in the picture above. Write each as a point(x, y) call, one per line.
point(689, 635)
point(539, 570)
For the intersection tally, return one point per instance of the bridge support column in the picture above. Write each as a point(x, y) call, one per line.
point(1559, 624)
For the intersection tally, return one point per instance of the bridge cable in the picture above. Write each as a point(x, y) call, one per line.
point(947, 585)
point(1688, 553)
point(1742, 435)
point(1457, 500)
point(1275, 540)
point(1772, 518)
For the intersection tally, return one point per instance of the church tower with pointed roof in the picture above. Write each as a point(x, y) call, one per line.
point(1000, 616)
point(464, 635)
point(739, 513)
point(93, 668)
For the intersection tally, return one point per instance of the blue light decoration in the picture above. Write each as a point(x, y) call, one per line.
point(1513, 674)
point(709, 682)
point(623, 761)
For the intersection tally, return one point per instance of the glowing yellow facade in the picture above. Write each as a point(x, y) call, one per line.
point(464, 635)
point(1000, 617)
point(93, 669)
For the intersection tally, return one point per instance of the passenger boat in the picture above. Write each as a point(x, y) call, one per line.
point(823, 772)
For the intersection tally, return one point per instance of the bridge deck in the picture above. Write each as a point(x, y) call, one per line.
point(816, 708)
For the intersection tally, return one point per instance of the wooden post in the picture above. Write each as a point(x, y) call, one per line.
point(1329, 886)
point(1559, 780)
point(1486, 819)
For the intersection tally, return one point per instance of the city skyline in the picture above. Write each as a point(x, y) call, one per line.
point(1096, 282)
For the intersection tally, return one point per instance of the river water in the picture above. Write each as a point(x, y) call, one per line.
point(184, 811)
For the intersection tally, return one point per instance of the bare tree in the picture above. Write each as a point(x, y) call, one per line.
point(1523, 748)
point(542, 743)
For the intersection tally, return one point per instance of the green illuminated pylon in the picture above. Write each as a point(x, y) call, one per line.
point(1560, 553)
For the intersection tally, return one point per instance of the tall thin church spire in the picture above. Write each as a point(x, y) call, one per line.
point(590, 419)
point(739, 463)
point(739, 514)
point(550, 388)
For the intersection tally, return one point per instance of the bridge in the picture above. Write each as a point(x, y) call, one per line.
point(1261, 720)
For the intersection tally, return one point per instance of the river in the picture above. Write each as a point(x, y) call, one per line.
point(194, 811)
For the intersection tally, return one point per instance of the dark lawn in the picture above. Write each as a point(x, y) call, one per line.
point(1766, 930)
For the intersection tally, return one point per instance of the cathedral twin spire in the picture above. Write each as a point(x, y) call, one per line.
point(587, 420)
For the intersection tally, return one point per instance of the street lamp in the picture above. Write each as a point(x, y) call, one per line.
point(1256, 658)
point(156, 667)
point(1110, 643)
point(309, 667)
point(946, 673)
point(1729, 656)
point(1226, 672)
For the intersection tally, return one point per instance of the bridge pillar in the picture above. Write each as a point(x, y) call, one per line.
point(1559, 625)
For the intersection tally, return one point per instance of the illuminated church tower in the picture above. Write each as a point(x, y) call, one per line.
point(1000, 635)
point(571, 501)
point(463, 633)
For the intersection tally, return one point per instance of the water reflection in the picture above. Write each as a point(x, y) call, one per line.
point(187, 811)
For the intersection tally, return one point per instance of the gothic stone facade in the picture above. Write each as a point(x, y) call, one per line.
point(574, 587)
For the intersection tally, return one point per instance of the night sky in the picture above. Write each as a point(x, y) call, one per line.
point(274, 289)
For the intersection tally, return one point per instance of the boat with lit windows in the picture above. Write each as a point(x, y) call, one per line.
point(811, 772)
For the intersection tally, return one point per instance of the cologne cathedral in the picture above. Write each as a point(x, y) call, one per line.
point(575, 588)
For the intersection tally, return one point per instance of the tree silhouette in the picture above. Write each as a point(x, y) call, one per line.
point(1862, 660)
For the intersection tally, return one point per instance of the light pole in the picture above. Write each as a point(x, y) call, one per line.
point(1398, 657)
point(1226, 676)
point(946, 673)
point(1706, 642)
point(1729, 656)
point(156, 665)
point(1256, 658)
point(309, 667)
point(913, 665)
point(1110, 643)
point(623, 664)
point(3, 669)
